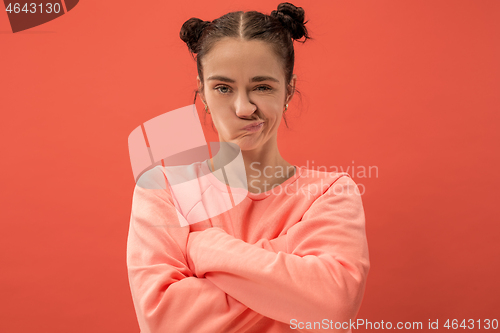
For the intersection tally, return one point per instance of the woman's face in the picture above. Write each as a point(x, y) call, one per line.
point(244, 84)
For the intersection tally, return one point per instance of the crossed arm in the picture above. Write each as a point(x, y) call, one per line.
point(209, 281)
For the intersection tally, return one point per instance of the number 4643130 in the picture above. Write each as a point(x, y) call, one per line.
point(32, 8)
point(471, 324)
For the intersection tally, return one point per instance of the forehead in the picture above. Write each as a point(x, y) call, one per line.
point(235, 59)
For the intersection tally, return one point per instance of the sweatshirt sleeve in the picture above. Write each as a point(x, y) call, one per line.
point(167, 297)
point(322, 275)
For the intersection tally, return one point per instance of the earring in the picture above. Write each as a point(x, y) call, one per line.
point(286, 108)
point(206, 109)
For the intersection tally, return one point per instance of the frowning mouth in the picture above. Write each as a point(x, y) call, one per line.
point(254, 127)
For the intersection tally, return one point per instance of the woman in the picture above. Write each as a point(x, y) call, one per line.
point(292, 256)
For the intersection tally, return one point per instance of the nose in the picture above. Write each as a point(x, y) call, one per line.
point(244, 107)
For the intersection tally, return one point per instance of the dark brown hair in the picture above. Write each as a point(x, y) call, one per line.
point(279, 29)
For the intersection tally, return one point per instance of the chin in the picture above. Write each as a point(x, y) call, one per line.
point(246, 145)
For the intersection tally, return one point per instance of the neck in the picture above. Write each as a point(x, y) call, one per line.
point(264, 167)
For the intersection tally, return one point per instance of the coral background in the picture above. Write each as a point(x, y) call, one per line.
point(408, 87)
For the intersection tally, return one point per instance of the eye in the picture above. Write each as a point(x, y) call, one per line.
point(221, 87)
point(266, 88)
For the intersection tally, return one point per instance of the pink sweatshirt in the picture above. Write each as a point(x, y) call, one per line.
point(292, 259)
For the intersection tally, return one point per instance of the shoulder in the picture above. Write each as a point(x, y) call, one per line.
point(154, 178)
point(159, 176)
point(313, 179)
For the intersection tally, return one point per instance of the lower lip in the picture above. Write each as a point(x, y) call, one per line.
point(254, 128)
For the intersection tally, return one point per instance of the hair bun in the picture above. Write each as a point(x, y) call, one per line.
point(191, 31)
point(292, 19)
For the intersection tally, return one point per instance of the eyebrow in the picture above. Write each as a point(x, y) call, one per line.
point(254, 79)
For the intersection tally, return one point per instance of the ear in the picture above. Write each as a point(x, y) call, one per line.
point(200, 91)
point(291, 89)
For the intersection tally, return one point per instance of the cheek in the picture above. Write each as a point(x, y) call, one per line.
point(275, 119)
point(220, 125)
